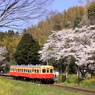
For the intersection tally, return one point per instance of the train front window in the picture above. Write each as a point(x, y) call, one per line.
point(51, 70)
point(44, 70)
point(47, 70)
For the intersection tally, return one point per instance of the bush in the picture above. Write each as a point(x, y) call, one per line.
point(72, 79)
point(88, 83)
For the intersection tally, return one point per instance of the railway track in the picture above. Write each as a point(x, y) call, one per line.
point(79, 90)
point(6, 75)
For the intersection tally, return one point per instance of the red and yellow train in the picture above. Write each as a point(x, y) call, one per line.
point(43, 73)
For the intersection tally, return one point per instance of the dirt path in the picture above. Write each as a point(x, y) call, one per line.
point(79, 90)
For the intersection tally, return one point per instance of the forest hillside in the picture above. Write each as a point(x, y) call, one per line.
point(76, 16)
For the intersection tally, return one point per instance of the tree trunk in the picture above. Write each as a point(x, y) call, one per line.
point(67, 71)
point(78, 76)
point(47, 62)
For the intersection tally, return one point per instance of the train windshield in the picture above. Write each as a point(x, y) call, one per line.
point(47, 70)
point(51, 70)
point(44, 70)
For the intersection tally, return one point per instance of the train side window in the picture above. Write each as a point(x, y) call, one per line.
point(28, 71)
point(44, 70)
point(24, 70)
point(37, 71)
point(32, 70)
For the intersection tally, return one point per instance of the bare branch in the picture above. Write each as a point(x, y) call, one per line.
point(13, 11)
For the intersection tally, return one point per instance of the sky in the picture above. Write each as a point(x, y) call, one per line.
point(56, 5)
point(61, 5)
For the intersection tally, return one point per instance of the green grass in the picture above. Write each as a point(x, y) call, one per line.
point(88, 83)
point(13, 87)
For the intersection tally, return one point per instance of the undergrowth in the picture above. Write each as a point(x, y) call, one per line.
point(88, 83)
point(14, 87)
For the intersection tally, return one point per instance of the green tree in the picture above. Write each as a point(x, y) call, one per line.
point(10, 33)
point(27, 51)
point(77, 21)
point(2, 35)
point(91, 12)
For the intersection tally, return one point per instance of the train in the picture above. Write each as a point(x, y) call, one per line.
point(41, 73)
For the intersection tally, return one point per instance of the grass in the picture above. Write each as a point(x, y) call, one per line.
point(88, 83)
point(13, 87)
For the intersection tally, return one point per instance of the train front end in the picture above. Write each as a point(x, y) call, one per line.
point(47, 74)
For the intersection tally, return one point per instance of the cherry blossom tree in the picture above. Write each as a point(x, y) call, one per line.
point(3, 52)
point(49, 51)
point(79, 43)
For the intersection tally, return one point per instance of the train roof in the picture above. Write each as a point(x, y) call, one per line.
point(29, 66)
